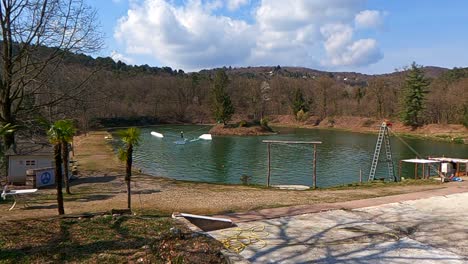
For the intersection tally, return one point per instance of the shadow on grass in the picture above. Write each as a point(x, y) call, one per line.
point(35, 207)
point(147, 191)
point(93, 179)
point(88, 197)
point(64, 247)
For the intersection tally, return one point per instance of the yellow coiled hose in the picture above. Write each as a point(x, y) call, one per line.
point(237, 239)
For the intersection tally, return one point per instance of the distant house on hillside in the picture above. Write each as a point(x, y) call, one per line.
point(28, 155)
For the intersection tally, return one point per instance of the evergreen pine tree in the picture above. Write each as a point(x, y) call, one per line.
point(465, 115)
point(221, 102)
point(299, 103)
point(413, 96)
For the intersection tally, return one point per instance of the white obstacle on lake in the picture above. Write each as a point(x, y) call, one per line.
point(180, 142)
point(205, 137)
point(156, 134)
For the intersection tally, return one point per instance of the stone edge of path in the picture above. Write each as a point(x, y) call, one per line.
point(230, 256)
point(349, 205)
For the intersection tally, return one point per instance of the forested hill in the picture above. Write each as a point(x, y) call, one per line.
point(117, 90)
point(108, 63)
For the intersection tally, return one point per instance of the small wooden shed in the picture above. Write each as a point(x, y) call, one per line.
point(28, 155)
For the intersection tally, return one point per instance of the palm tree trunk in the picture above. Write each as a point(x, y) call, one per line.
point(8, 141)
point(65, 153)
point(128, 175)
point(58, 177)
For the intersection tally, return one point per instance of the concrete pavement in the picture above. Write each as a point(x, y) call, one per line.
point(429, 230)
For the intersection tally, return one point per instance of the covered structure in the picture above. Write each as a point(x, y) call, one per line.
point(426, 166)
point(453, 161)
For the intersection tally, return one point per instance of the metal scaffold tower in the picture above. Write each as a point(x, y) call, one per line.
point(383, 137)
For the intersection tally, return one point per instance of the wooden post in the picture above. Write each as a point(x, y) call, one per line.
point(423, 171)
point(360, 175)
point(269, 169)
point(415, 171)
point(399, 170)
point(315, 168)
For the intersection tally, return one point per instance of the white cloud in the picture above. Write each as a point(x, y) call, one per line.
point(214, 5)
point(120, 57)
point(359, 53)
point(301, 32)
point(342, 51)
point(370, 19)
point(236, 4)
point(337, 36)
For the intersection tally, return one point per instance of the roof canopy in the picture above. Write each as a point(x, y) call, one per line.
point(420, 161)
point(443, 159)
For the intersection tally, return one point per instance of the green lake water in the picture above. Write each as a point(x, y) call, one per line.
point(226, 158)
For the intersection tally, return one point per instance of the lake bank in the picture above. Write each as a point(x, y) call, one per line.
point(101, 187)
point(341, 157)
point(455, 133)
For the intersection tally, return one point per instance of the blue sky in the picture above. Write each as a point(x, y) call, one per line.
point(369, 36)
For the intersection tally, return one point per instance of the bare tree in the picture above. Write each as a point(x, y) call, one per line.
point(35, 35)
point(377, 89)
point(325, 84)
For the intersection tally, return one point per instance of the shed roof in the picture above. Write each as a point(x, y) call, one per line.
point(420, 161)
point(23, 148)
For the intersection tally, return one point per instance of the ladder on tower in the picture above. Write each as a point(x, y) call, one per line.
point(383, 138)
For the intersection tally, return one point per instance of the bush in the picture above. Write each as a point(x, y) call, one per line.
point(369, 122)
point(264, 122)
point(245, 179)
point(465, 116)
point(302, 116)
point(242, 123)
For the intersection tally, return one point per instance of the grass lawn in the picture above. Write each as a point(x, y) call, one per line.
point(104, 239)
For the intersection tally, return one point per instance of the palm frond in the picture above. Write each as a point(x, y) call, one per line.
point(130, 136)
point(61, 131)
point(7, 129)
point(122, 154)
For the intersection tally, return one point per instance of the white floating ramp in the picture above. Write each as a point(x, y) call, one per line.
point(291, 187)
point(205, 137)
point(156, 134)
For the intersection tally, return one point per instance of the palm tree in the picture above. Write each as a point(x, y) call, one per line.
point(131, 138)
point(67, 132)
point(4, 130)
point(60, 133)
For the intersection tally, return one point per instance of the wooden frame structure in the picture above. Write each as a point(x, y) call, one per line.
point(314, 143)
point(425, 168)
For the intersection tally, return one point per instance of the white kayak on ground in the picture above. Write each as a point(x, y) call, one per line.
point(156, 134)
point(205, 137)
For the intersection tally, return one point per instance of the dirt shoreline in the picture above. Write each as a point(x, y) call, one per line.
point(449, 133)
